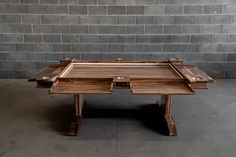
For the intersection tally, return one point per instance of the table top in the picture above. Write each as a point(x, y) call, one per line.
point(102, 77)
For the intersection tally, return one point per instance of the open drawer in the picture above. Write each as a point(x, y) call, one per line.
point(47, 75)
point(160, 87)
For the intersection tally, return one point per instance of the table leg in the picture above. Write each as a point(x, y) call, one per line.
point(165, 106)
point(78, 104)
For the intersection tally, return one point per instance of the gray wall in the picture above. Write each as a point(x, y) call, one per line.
point(34, 33)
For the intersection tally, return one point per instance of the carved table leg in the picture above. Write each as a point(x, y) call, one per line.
point(78, 103)
point(166, 110)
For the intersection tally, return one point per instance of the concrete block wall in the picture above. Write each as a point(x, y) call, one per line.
point(34, 33)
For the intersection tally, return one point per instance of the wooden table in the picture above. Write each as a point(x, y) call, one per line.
point(165, 78)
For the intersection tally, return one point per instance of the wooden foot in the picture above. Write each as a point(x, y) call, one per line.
point(73, 130)
point(78, 103)
point(165, 107)
point(171, 125)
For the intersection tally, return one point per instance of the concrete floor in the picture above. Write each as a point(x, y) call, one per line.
point(34, 124)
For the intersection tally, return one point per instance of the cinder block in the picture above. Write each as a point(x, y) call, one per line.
point(31, 19)
point(42, 48)
point(29, 1)
point(181, 39)
point(209, 48)
point(48, 1)
point(153, 48)
point(164, 1)
point(97, 47)
point(189, 48)
point(79, 29)
point(2, 38)
point(10, 19)
point(133, 48)
point(116, 10)
point(106, 20)
point(174, 9)
point(150, 2)
point(221, 19)
point(229, 9)
point(125, 2)
point(24, 47)
point(42, 29)
point(88, 2)
point(191, 29)
point(214, 57)
point(80, 48)
point(172, 29)
point(204, 1)
point(89, 56)
point(202, 19)
point(108, 38)
point(53, 56)
point(171, 48)
point(88, 38)
point(143, 56)
point(232, 38)
point(7, 47)
point(39, 9)
point(153, 38)
point(116, 47)
point(61, 48)
point(212, 9)
point(70, 39)
point(20, 28)
point(97, 10)
point(9, 66)
point(68, 1)
point(193, 9)
point(183, 1)
point(25, 66)
point(35, 56)
point(51, 38)
point(15, 38)
point(69, 19)
point(154, 10)
point(88, 20)
point(135, 10)
point(218, 38)
point(231, 57)
point(210, 28)
point(164, 19)
point(228, 29)
point(107, 56)
point(126, 39)
point(126, 19)
point(6, 28)
point(16, 57)
point(80, 10)
point(134, 29)
point(18, 9)
point(106, 2)
point(57, 9)
point(9, 1)
point(153, 29)
point(200, 38)
point(227, 48)
point(107, 29)
point(61, 29)
point(145, 19)
point(50, 19)
point(183, 19)
point(33, 38)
